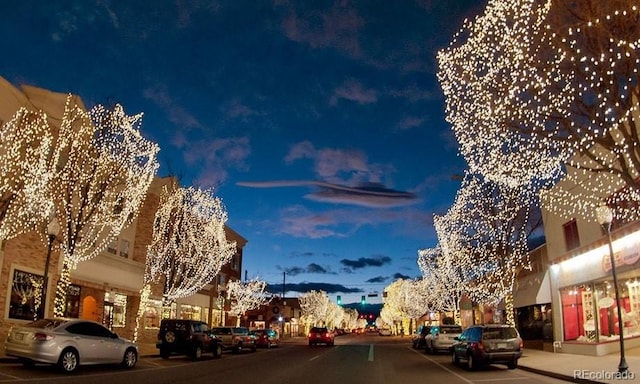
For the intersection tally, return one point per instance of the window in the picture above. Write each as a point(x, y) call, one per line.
point(72, 302)
point(24, 288)
point(190, 312)
point(119, 247)
point(235, 262)
point(124, 248)
point(152, 314)
point(571, 238)
point(112, 248)
point(119, 304)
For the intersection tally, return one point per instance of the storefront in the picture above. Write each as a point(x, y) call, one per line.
point(585, 303)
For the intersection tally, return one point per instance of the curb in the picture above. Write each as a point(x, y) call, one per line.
point(558, 376)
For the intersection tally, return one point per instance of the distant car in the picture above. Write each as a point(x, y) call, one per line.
point(487, 344)
point(266, 337)
point(321, 335)
point(236, 339)
point(69, 343)
point(441, 337)
point(384, 332)
point(186, 337)
point(417, 339)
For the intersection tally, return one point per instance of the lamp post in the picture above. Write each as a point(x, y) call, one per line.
point(53, 228)
point(605, 218)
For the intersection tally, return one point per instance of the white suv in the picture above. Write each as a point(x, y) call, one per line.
point(236, 339)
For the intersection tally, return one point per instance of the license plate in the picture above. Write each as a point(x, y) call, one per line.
point(19, 336)
point(502, 345)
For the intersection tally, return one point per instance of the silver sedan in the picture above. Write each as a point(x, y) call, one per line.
point(69, 343)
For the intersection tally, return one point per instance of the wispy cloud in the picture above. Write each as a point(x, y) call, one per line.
point(176, 113)
point(400, 276)
point(306, 287)
point(215, 157)
point(377, 279)
point(410, 122)
point(367, 195)
point(364, 262)
point(312, 268)
point(353, 91)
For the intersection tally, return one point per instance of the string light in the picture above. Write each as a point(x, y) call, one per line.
point(189, 244)
point(539, 90)
point(102, 171)
point(245, 296)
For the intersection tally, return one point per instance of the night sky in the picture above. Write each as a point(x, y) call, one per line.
point(320, 124)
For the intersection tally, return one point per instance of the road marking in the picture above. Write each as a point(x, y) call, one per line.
point(370, 352)
point(314, 357)
point(442, 366)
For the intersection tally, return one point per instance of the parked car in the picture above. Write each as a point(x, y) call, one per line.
point(441, 337)
point(417, 339)
point(69, 343)
point(236, 339)
point(384, 331)
point(321, 335)
point(266, 337)
point(186, 337)
point(487, 344)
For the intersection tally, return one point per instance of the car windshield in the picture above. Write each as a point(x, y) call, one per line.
point(318, 330)
point(499, 333)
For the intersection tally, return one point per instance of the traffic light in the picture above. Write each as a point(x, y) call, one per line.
point(339, 300)
point(363, 300)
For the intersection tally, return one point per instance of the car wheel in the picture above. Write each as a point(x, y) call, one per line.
point(455, 360)
point(130, 358)
point(471, 362)
point(170, 337)
point(164, 353)
point(217, 351)
point(196, 354)
point(69, 360)
point(513, 364)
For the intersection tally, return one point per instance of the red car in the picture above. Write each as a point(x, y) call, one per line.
point(321, 335)
point(266, 337)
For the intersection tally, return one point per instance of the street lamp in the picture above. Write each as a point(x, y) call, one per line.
point(53, 228)
point(605, 218)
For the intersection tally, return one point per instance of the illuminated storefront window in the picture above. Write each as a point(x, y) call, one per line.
point(115, 308)
point(190, 312)
point(152, 314)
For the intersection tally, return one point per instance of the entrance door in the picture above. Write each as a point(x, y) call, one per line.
point(107, 315)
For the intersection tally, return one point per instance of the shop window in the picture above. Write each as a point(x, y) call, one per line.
point(190, 312)
point(152, 314)
point(24, 288)
point(571, 238)
point(116, 304)
point(608, 310)
point(72, 302)
point(169, 311)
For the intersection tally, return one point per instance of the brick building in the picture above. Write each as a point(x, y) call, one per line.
point(106, 288)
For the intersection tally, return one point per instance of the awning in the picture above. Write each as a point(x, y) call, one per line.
point(532, 289)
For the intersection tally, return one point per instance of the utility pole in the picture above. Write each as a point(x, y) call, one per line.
point(284, 279)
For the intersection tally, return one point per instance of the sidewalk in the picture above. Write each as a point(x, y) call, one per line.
point(581, 368)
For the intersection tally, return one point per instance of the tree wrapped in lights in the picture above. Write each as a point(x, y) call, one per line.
point(444, 280)
point(406, 300)
point(189, 245)
point(103, 170)
point(26, 170)
point(538, 89)
point(314, 306)
point(246, 296)
point(490, 223)
point(350, 320)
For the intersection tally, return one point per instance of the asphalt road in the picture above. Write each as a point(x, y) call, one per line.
point(354, 359)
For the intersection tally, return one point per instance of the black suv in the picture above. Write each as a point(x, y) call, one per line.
point(186, 337)
point(487, 344)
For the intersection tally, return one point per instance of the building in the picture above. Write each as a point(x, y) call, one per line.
point(105, 288)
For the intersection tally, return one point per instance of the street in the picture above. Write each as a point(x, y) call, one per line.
point(354, 359)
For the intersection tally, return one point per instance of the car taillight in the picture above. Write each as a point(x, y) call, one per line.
point(39, 336)
point(478, 345)
point(521, 345)
point(326, 335)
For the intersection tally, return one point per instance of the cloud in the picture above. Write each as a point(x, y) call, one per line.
point(353, 91)
point(306, 287)
point(364, 262)
point(311, 268)
point(215, 157)
point(377, 279)
point(410, 122)
point(177, 114)
point(373, 195)
point(398, 275)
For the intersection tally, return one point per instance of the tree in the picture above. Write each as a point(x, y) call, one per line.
point(245, 296)
point(189, 244)
point(542, 89)
point(103, 169)
point(489, 224)
point(314, 306)
point(26, 170)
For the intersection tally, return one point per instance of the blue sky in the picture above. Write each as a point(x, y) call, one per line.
point(320, 124)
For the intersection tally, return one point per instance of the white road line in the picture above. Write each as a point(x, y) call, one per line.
point(314, 357)
point(441, 366)
point(370, 352)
